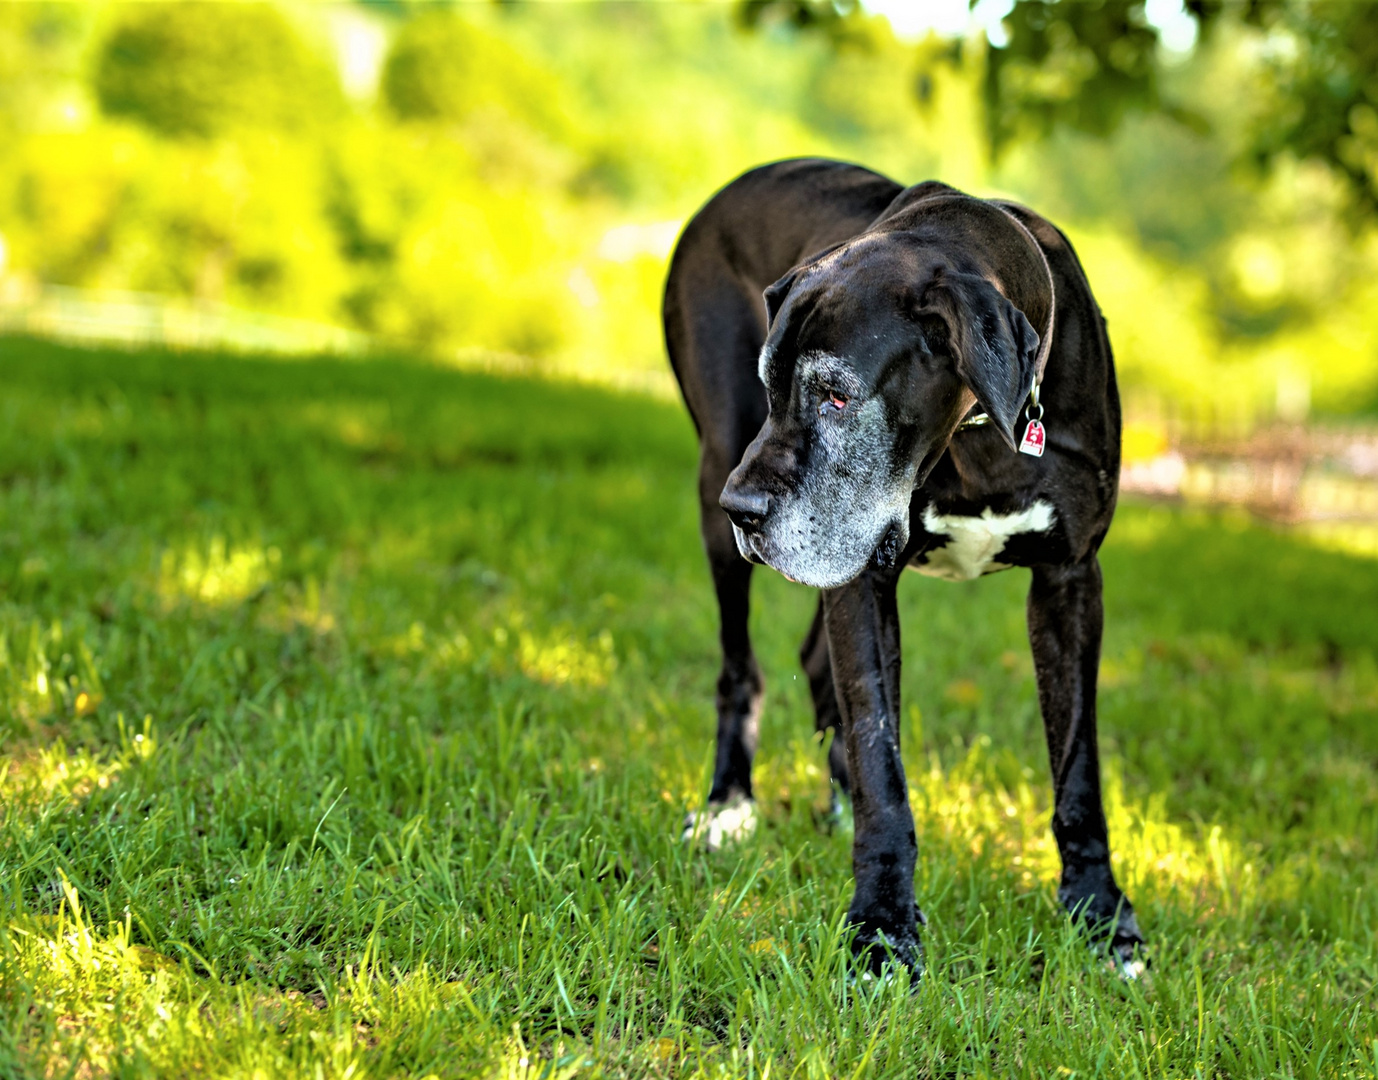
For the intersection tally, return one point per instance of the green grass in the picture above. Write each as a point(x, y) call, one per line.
point(350, 710)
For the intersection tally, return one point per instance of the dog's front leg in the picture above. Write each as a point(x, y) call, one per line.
point(864, 640)
point(1065, 622)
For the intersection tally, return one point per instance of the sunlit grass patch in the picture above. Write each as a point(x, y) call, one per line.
point(217, 573)
point(972, 807)
point(52, 770)
point(565, 660)
point(46, 670)
point(1352, 538)
point(111, 1003)
point(556, 658)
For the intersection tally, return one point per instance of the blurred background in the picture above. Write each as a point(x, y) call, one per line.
point(500, 184)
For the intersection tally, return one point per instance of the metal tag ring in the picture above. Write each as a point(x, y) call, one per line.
point(1033, 401)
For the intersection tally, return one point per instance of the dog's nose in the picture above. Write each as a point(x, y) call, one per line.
point(747, 509)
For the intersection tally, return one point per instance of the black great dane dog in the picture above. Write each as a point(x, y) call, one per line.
point(869, 415)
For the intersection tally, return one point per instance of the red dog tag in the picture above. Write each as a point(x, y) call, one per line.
point(1033, 439)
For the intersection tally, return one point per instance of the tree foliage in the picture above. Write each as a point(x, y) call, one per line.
point(1085, 65)
point(40, 47)
point(1324, 66)
point(444, 68)
point(830, 16)
point(200, 68)
point(1081, 65)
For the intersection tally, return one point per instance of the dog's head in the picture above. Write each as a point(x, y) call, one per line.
point(876, 350)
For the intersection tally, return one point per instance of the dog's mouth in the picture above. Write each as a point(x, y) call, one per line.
point(746, 545)
point(755, 548)
point(759, 547)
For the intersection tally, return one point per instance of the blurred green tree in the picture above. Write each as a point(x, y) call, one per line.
point(40, 59)
point(1077, 65)
point(198, 69)
point(834, 17)
point(442, 67)
point(1085, 65)
point(1324, 60)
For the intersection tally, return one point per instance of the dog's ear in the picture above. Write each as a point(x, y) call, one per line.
point(994, 345)
point(775, 295)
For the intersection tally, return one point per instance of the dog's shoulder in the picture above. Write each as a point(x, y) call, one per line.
point(775, 215)
point(917, 194)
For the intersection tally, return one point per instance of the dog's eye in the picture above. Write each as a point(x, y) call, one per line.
point(833, 401)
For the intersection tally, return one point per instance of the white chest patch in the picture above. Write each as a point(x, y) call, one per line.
point(973, 542)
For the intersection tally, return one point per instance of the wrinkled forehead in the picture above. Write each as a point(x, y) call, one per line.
point(842, 317)
point(838, 371)
point(840, 349)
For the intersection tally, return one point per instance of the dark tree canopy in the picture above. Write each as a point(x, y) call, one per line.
point(803, 14)
point(1085, 64)
point(1326, 104)
point(1082, 65)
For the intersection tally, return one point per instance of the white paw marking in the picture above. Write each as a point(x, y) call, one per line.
point(884, 979)
point(718, 826)
point(975, 541)
point(1131, 970)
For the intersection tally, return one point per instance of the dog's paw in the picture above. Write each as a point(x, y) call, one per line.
point(1131, 970)
point(1127, 959)
point(1119, 940)
point(720, 824)
point(1126, 949)
point(1114, 933)
point(878, 955)
point(888, 975)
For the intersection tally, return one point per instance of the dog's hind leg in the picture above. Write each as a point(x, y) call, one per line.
point(813, 655)
point(1065, 621)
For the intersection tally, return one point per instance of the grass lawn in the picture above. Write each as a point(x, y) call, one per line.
point(348, 713)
